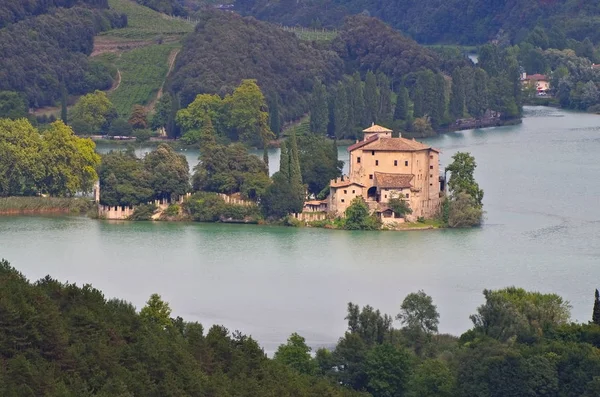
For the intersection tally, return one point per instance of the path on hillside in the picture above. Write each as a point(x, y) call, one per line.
point(116, 84)
point(159, 94)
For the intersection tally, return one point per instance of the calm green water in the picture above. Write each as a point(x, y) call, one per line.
point(542, 190)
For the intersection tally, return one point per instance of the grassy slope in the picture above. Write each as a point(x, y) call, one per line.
point(144, 23)
point(143, 71)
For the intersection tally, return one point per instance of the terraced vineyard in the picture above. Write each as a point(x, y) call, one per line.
point(143, 71)
point(144, 23)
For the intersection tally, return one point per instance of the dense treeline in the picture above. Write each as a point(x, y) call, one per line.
point(47, 54)
point(432, 21)
point(169, 7)
point(62, 340)
point(15, 10)
point(54, 162)
point(226, 48)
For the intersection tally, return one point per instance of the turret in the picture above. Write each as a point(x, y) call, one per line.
point(376, 130)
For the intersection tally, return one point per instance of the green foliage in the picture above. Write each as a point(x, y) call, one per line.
point(143, 71)
point(596, 310)
point(169, 7)
point(120, 127)
point(432, 378)
point(169, 172)
point(92, 113)
point(399, 206)
point(358, 216)
point(44, 51)
point(388, 371)
point(145, 23)
point(464, 206)
point(33, 205)
point(12, 105)
point(296, 354)
point(463, 211)
point(57, 162)
point(143, 212)
point(63, 340)
point(516, 313)
point(318, 109)
point(210, 207)
point(226, 48)
point(418, 313)
point(318, 162)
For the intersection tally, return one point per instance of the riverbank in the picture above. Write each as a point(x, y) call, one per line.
point(44, 205)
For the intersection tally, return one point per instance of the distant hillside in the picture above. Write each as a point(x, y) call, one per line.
point(226, 48)
point(435, 21)
point(43, 53)
point(12, 11)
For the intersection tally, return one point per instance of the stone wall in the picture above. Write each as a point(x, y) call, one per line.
point(117, 213)
point(310, 216)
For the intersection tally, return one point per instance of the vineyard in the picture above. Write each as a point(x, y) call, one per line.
point(144, 23)
point(309, 34)
point(299, 128)
point(143, 71)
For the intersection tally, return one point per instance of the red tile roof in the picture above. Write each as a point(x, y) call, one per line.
point(384, 180)
point(537, 77)
point(377, 128)
point(345, 183)
point(397, 145)
point(362, 143)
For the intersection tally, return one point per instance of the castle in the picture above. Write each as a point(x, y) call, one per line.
point(382, 168)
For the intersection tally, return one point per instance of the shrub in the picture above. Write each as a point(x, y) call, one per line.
point(143, 212)
point(359, 218)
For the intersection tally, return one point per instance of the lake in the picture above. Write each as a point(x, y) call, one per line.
point(542, 232)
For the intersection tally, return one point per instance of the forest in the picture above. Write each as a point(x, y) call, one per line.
point(60, 339)
point(46, 55)
point(450, 22)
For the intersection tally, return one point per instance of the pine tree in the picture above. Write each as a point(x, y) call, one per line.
point(384, 114)
point(596, 312)
point(340, 112)
point(401, 110)
point(371, 97)
point(457, 96)
point(318, 109)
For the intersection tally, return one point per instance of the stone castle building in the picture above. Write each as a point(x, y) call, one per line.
point(381, 168)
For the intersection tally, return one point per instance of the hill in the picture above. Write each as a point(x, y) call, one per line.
point(434, 21)
point(226, 48)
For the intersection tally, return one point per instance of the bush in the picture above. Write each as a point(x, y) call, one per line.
point(464, 212)
point(143, 212)
point(210, 207)
point(172, 210)
point(359, 218)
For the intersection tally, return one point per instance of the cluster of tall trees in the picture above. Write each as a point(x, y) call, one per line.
point(46, 54)
point(128, 180)
point(63, 340)
point(54, 162)
point(239, 117)
point(463, 207)
point(431, 21)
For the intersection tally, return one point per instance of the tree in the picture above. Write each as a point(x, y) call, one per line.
point(296, 354)
point(596, 311)
point(340, 112)
point(93, 113)
point(371, 97)
point(169, 172)
point(399, 206)
point(12, 105)
point(457, 96)
point(418, 312)
point(369, 324)
point(358, 216)
point(477, 93)
point(63, 103)
point(274, 116)
point(463, 211)
point(163, 113)
point(401, 110)
point(70, 162)
point(157, 311)
point(318, 109)
point(384, 111)
point(432, 378)
point(123, 179)
point(319, 162)
point(138, 119)
point(120, 127)
point(388, 370)
point(462, 178)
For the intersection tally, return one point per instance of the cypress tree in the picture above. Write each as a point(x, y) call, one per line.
point(438, 104)
point(418, 98)
point(318, 109)
point(274, 118)
point(596, 312)
point(371, 97)
point(457, 96)
point(284, 162)
point(63, 103)
point(351, 120)
point(340, 112)
point(401, 110)
point(266, 157)
point(294, 161)
point(359, 109)
point(384, 114)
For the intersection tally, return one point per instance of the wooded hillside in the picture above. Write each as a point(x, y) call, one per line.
point(15, 10)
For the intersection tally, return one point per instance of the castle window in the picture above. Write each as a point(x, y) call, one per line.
point(345, 192)
point(376, 162)
point(406, 163)
point(431, 175)
point(431, 156)
point(395, 162)
point(354, 191)
point(342, 200)
point(372, 152)
point(358, 159)
point(431, 184)
point(370, 176)
point(406, 195)
point(431, 167)
point(385, 196)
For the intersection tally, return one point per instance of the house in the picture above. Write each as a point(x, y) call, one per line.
point(382, 168)
point(315, 206)
point(541, 82)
